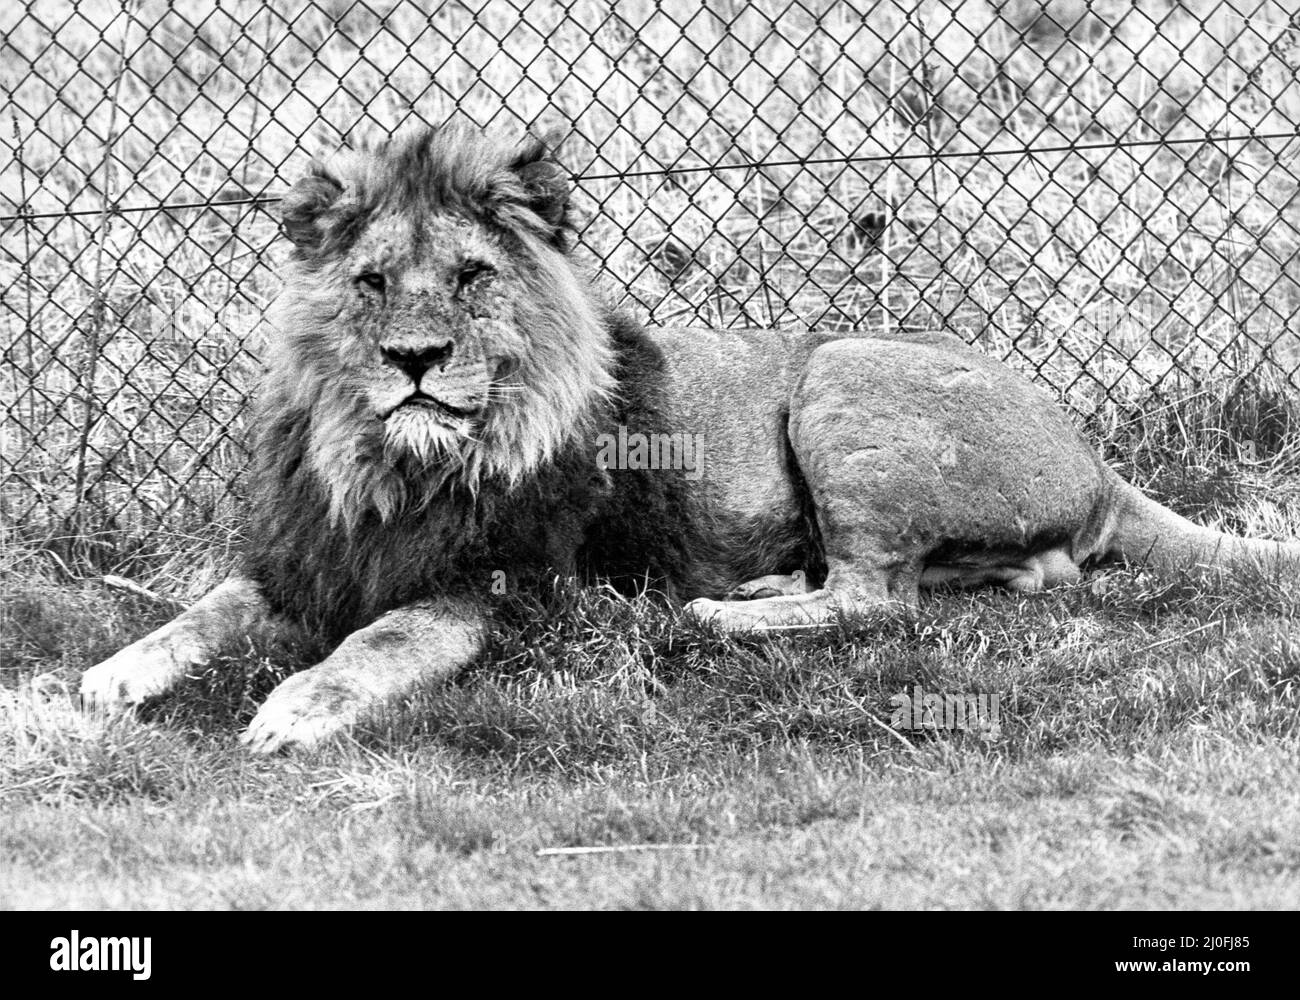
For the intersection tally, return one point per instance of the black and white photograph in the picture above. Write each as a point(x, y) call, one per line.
point(493, 455)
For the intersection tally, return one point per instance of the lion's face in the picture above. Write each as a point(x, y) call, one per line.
point(431, 321)
point(426, 328)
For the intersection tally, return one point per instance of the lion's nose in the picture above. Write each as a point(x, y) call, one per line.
point(416, 361)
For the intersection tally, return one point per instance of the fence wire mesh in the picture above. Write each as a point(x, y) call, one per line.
point(1103, 193)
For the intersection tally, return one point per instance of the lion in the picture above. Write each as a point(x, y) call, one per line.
point(435, 422)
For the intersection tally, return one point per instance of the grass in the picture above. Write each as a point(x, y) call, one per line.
point(1146, 755)
point(1145, 760)
point(131, 340)
point(794, 830)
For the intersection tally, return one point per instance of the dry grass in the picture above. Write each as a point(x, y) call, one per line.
point(1146, 759)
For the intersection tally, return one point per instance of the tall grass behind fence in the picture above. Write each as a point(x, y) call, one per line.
point(1065, 182)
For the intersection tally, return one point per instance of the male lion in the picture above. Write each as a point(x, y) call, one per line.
point(444, 382)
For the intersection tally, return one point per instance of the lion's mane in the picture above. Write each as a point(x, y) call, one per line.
point(341, 529)
point(548, 401)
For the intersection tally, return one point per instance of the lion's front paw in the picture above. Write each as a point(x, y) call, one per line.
point(305, 710)
point(139, 671)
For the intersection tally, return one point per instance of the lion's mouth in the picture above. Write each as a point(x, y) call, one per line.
point(423, 401)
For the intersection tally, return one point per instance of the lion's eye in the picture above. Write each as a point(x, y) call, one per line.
point(471, 271)
point(372, 280)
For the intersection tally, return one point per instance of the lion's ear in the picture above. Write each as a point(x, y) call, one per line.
point(302, 209)
point(546, 187)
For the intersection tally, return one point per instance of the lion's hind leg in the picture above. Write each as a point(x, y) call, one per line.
point(1050, 568)
point(1026, 575)
point(853, 586)
point(820, 607)
point(772, 585)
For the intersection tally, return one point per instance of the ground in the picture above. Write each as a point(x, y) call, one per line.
point(1146, 758)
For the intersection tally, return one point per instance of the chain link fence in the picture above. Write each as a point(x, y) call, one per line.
point(1103, 193)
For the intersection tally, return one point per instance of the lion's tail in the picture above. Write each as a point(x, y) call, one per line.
point(1147, 533)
